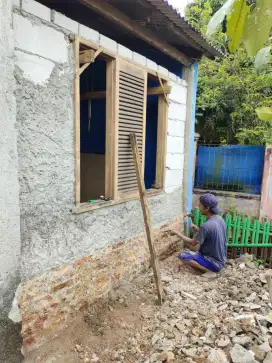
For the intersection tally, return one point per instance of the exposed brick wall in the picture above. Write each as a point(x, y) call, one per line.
point(48, 302)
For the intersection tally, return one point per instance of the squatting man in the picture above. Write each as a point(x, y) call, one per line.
point(209, 244)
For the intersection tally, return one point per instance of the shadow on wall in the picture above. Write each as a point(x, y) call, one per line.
point(10, 342)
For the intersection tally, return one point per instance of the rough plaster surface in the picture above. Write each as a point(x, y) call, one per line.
point(51, 234)
point(9, 186)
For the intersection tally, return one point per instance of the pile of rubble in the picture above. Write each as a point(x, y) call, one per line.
point(216, 319)
point(204, 319)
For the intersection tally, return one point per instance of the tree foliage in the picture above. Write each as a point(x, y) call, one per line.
point(230, 88)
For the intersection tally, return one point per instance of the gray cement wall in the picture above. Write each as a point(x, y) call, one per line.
point(9, 185)
point(51, 233)
point(244, 204)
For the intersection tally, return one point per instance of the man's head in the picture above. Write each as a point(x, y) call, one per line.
point(208, 204)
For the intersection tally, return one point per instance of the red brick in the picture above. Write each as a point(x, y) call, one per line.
point(30, 341)
point(82, 260)
point(118, 245)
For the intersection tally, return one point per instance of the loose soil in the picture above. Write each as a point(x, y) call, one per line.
point(201, 316)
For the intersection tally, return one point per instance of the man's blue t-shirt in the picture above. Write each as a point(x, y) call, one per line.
point(212, 237)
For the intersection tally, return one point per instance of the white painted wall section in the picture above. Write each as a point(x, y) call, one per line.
point(88, 33)
point(140, 59)
point(47, 45)
point(37, 9)
point(64, 22)
point(175, 138)
point(125, 52)
point(38, 70)
point(177, 111)
point(41, 40)
point(108, 43)
point(176, 128)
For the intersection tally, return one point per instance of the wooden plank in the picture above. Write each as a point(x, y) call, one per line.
point(132, 84)
point(161, 142)
point(135, 77)
point(116, 137)
point(162, 87)
point(86, 56)
point(124, 93)
point(130, 120)
point(77, 123)
point(144, 203)
point(86, 65)
point(158, 90)
point(93, 95)
point(111, 146)
point(122, 20)
point(144, 124)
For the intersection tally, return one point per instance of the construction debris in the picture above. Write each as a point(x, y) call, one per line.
point(226, 319)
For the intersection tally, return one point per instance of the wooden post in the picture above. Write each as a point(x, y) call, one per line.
point(146, 214)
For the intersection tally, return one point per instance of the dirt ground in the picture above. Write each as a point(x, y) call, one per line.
point(199, 318)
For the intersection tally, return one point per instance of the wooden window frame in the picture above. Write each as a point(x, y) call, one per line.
point(111, 155)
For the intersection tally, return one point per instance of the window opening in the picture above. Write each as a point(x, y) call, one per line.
point(151, 136)
point(93, 132)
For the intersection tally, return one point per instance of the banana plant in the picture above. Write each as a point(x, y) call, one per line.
point(249, 23)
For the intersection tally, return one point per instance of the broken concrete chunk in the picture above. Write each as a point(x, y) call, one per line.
point(223, 342)
point(243, 340)
point(210, 275)
point(166, 357)
point(251, 265)
point(259, 353)
point(268, 358)
point(265, 347)
point(262, 278)
point(217, 356)
point(240, 355)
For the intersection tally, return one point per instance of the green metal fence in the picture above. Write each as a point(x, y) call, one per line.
point(245, 235)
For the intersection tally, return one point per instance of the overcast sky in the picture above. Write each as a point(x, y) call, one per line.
point(179, 4)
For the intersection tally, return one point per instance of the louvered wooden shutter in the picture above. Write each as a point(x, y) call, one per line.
point(132, 114)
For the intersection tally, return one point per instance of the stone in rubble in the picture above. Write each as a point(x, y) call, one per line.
point(191, 352)
point(251, 265)
point(240, 355)
point(263, 279)
point(259, 353)
point(79, 348)
point(210, 275)
point(251, 297)
point(265, 347)
point(166, 278)
point(217, 356)
point(223, 342)
point(166, 357)
point(268, 358)
point(243, 340)
point(115, 356)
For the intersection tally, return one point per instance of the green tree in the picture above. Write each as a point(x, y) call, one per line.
point(229, 88)
point(249, 23)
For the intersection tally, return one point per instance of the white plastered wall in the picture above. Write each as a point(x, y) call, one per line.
point(36, 56)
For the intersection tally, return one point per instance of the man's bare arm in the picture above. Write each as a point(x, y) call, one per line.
point(186, 239)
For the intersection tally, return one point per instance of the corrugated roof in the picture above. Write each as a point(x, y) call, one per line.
point(194, 35)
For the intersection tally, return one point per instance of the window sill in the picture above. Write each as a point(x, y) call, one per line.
point(87, 207)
